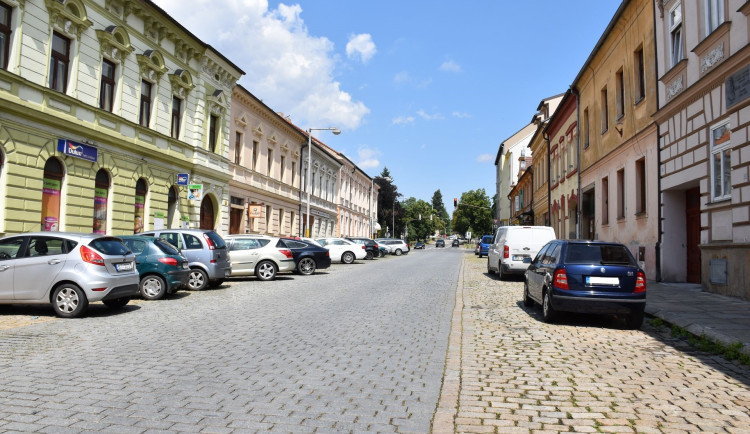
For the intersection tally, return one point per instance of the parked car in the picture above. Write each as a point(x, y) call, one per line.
point(371, 246)
point(308, 256)
point(514, 247)
point(383, 250)
point(206, 252)
point(586, 277)
point(259, 256)
point(419, 245)
point(68, 270)
point(439, 243)
point(454, 243)
point(161, 267)
point(342, 249)
point(396, 246)
point(483, 246)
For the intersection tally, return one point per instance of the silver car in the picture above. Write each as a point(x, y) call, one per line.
point(67, 270)
point(396, 246)
point(259, 256)
point(206, 252)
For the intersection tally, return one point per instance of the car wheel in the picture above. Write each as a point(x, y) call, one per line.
point(527, 300)
point(382, 254)
point(197, 280)
point(368, 255)
point(266, 270)
point(116, 303)
point(215, 283)
point(69, 301)
point(306, 266)
point(480, 256)
point(500, 271)
point(153, 288)
point(634, 320)
point(398, 252)
point(347, 257)
point(548, 312)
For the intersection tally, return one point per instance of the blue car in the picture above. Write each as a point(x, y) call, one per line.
point(483, 247)
point(163, 270)
point(586, 277)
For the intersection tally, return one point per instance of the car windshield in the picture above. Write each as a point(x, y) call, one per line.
point(598, 254)
point(110, 246)
point(217, 240)
point(487, 239)
point(165, 247)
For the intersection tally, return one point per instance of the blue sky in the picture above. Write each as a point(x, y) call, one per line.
point(428, 89)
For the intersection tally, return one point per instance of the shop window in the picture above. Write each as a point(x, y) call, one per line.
point(144, 116)
point(176, 117)
point(139, 213)
point(59, 61)
point(101, 193)
point(5, 17)
point(51, 196)
point(721, 166)
point(172, 207)
point(107, 88)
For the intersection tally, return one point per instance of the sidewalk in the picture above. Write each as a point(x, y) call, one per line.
point(721, 318)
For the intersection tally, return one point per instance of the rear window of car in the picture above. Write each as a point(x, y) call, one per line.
point(487, 239)
point(109, 246)
point(598, 254)
point(166, 247)
point(217, 240)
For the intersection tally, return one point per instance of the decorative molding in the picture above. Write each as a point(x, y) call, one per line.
point(151, 63)
point(258, 131)
point(712, 58)
point(68, 16)
point(182, 82)
point(241, 121)
point(114, 42)
point(272, 140)
point(674, 88)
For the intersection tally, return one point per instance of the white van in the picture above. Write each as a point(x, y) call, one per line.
point(514, 247)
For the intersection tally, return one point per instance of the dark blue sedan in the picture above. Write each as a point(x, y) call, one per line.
point(586, 277)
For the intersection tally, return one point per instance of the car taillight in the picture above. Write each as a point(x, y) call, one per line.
point(210, 243)
point(561, 279)
point(328, 253)
point(377, 247)
point(169, 261)
point(363, 247)
point(90, 256)
point(286, 252)
point(640, 282)
point(506, 252)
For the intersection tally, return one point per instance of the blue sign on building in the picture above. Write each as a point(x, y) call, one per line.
point(183, 179)
point(78, 150)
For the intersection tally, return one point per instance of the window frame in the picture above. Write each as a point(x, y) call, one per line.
point(6, 31)
point(605, 200)
point(619, 95)
point(238, 136)
point(641, 204)
point(213, 131)
point(586, 129)
point(107, 81)
point(676, 53)
point(56, 60)
point(176, 117)
point(713, 11)
point(640, 75)
point(144, 112)
point(605, 110)
point(621, 193)
point(724, 151)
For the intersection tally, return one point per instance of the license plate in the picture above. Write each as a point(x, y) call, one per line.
point(608, 281)
point(227, 273)
point(519, 257)
point(125, 266)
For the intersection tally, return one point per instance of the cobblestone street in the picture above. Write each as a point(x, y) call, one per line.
point(519, 374)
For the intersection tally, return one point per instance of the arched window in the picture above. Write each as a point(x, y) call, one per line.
point(172, 197)
point(53, 178)
point(141, 189)
point(101, 193)
point(207, 214)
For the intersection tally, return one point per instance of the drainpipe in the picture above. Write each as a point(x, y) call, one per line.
point(549, 181)
point(302, 164)
point(578, 160)
point(657, 247)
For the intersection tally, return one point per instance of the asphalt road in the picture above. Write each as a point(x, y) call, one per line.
point(357, 347)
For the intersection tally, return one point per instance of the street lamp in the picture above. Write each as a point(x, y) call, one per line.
point(336, 132)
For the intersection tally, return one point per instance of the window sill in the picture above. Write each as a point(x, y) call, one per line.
point(604, 131)
point(719, 201)
point(641, 215)
point(639, 100)
point(621, 219)
point(619, 118)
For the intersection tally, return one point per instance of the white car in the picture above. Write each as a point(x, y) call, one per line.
point(343, 250)
point(514, 247)
point(259, 256)
point(395, 246)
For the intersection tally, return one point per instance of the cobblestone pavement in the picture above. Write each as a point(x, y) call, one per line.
point(355, 348)
point(586, 374)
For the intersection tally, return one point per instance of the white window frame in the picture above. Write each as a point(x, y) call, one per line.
point(675, 28)
point(723, 152)
point(714, 14)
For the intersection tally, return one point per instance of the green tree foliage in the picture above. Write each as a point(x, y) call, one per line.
point(388, 205)
point(474, 213)
point(441, 213)
point(418, 219)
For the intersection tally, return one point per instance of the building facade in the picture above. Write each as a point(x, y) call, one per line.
point(507, 169)
point(521, 195)
point(703, 59)
point(105, 110)
point(562, 133)
point(617, 137)
point(357, 205)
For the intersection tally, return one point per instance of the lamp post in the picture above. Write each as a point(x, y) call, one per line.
point(336, 132)
point(393, 214)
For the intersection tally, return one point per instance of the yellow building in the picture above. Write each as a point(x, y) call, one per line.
point(102, 105)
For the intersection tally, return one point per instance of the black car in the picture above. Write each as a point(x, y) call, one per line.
point(371, 246)
point(419, 245)
point(586, 277)
point(440, 243)
point(455, 243)
point(308, 256)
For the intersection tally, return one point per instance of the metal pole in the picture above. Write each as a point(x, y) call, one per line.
point(307, 181)
point(393, 214)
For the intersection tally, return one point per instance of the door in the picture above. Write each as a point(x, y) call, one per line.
point(235, 220)
point(38, 267)
point(693, 234)
point(207, 213)
point(244, 254)
point(9, 249)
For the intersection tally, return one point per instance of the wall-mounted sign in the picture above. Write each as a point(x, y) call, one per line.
point(183, 179)
point(195, 191)
point(77, 150)
point(255, 210)
point(737, 86)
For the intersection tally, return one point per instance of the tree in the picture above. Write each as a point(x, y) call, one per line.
point(417, 218)
point(474, 213)
point(440, 211)
point(388, 202)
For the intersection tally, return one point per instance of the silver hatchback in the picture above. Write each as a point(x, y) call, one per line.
point(67, 270)
point(259, 256)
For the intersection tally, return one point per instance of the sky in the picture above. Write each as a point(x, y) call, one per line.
point(427, 88)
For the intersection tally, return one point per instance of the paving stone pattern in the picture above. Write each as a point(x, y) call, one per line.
point(586, 374)
point(356, 348)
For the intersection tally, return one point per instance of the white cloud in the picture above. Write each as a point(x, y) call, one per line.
point(367, 158)
point(361, 46)
point(460, 115)
point(484, 158)
point(429, 117)
point(403, 120)
point(450, 66)
point(291, 70)
point(401, 77)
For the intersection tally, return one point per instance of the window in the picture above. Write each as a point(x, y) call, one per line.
point(586, 128)
point(51, 197)
point(141, 189)
point(144, 117)
point(605, 201)
point(237, 147)
point(176, 117)
point(621, 193)
point(101, 193)
point(212, 132)
point(721, 166)
point(294, 173)
point(620, 97)
point(268, 219)
point(59, 60)
point(714, 14)
point(640, 186)
point(640, 75)
point(107, 90)
point(605, 111)
point(255, 154)
point(269, 165)
point(675, 32)
point(282, 166)
point(5, 15)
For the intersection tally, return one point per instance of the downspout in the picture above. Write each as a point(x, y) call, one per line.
point(578, 161)
point(549, 183)
point(299, 212)
point(657, 247)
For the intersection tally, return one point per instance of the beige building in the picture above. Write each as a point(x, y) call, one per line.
point(105, 109)
point(507, 168)
point(540, 146)
point(562, 133)
point(618, 149)
point(703, 59)
point(357, 201)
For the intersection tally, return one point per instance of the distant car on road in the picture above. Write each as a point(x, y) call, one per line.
point(483, 245)
point(419, 245)
point(455, 242)
point(439, 243)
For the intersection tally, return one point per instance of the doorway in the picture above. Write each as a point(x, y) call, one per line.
point(207, 213)
point(693, 234)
